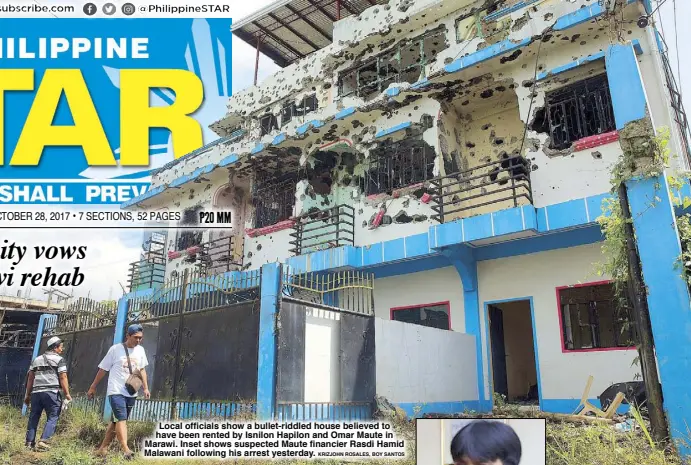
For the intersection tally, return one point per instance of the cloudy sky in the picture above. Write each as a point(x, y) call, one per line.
point(110, 252)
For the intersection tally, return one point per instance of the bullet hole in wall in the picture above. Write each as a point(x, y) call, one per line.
point(402, 218)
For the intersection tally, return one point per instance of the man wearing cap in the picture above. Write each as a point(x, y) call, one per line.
point(47, 374)
point(119, 368)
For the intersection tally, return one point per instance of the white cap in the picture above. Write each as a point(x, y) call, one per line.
point(53, 340)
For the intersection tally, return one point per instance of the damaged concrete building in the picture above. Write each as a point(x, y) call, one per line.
point(461, 152)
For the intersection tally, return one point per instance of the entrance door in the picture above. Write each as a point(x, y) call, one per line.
point(496, 331)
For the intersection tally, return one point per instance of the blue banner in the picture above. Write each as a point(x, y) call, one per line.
point(82, 96)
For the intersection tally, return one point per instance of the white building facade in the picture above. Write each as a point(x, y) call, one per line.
point(461, 152)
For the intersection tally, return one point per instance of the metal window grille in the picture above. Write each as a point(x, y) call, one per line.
point(405, 62)
point(589, 313)
point(398, 165)
point(580, 110)
point(273, 201)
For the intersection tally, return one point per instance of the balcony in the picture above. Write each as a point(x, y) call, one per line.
point(333, 227)
point(489, 187)
point(217, 256)
point(148, 271)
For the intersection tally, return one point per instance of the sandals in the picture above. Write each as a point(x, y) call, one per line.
point(130, 456)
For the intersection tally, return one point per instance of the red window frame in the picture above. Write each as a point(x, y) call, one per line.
point(434, 304)
point(561, 323)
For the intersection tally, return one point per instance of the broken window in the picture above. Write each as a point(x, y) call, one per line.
point(268, 123)
point(591, 318)
point(298, 110)
point(433, 316)
point(189, 237)
point(404, 63)
point(576, 111)
point(273, 199)
point(399, 164)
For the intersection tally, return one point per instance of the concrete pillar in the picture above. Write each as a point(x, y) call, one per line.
point(463, 260)
point(266, 366)
point(37, 343)
point(669, 305)
point(629, 100)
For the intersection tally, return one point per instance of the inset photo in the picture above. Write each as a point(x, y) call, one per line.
point(468, 441)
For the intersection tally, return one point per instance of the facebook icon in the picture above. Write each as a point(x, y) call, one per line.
point(89, 9)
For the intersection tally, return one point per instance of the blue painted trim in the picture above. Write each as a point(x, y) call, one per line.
point(266, 366)
point(257, 148)
point(37, 344)
point(389, 131)
point(411, 266)
point(417, 409)
point(485, 54)
point(508, 10)
point(230, 159)
point(625, 84)
point(421, 84)
point(579, 16)
point(345, 113)
point(571, 65)
point(535, 344)
point(543, 243)
point(668, 297)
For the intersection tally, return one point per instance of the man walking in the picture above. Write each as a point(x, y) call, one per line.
point(47, 374)
point(120, 362)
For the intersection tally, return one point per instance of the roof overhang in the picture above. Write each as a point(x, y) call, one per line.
point(288, 30)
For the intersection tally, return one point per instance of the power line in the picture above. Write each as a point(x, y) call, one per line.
point(676, 43)
point(533, 87)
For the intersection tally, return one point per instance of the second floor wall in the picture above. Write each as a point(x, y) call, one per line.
point(537, 127)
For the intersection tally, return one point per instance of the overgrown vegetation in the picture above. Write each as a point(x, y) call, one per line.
point(79, 432)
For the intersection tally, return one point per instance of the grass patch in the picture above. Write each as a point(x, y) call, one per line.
point(79, 432)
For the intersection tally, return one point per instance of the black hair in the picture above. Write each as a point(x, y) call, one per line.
point(483, 441)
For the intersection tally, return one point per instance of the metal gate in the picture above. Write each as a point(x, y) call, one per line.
point(201, 339)
point(349, 294)
point(86, 330)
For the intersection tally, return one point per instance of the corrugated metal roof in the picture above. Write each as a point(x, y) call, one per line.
point(288, 30)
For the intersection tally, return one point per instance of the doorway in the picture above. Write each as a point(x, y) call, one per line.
point(512, 347)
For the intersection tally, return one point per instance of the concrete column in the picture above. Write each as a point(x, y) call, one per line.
point(659, 248)
point(266, 366)
point(629, 100)
point(37, 343)
point(463, 260)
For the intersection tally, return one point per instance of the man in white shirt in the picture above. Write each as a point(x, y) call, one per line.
point(119, 368)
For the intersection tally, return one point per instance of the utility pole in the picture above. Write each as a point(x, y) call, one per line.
point(646, 343)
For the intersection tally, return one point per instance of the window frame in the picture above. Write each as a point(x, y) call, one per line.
point(446, 304)
point(558, 98)
point(284, 184)
point(293, 109)
point(562, 323)
point(375, 159)
point(389, 77)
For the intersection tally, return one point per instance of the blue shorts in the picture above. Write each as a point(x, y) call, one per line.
point(121, 406)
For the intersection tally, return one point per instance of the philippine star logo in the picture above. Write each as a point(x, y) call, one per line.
point(200, 59)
